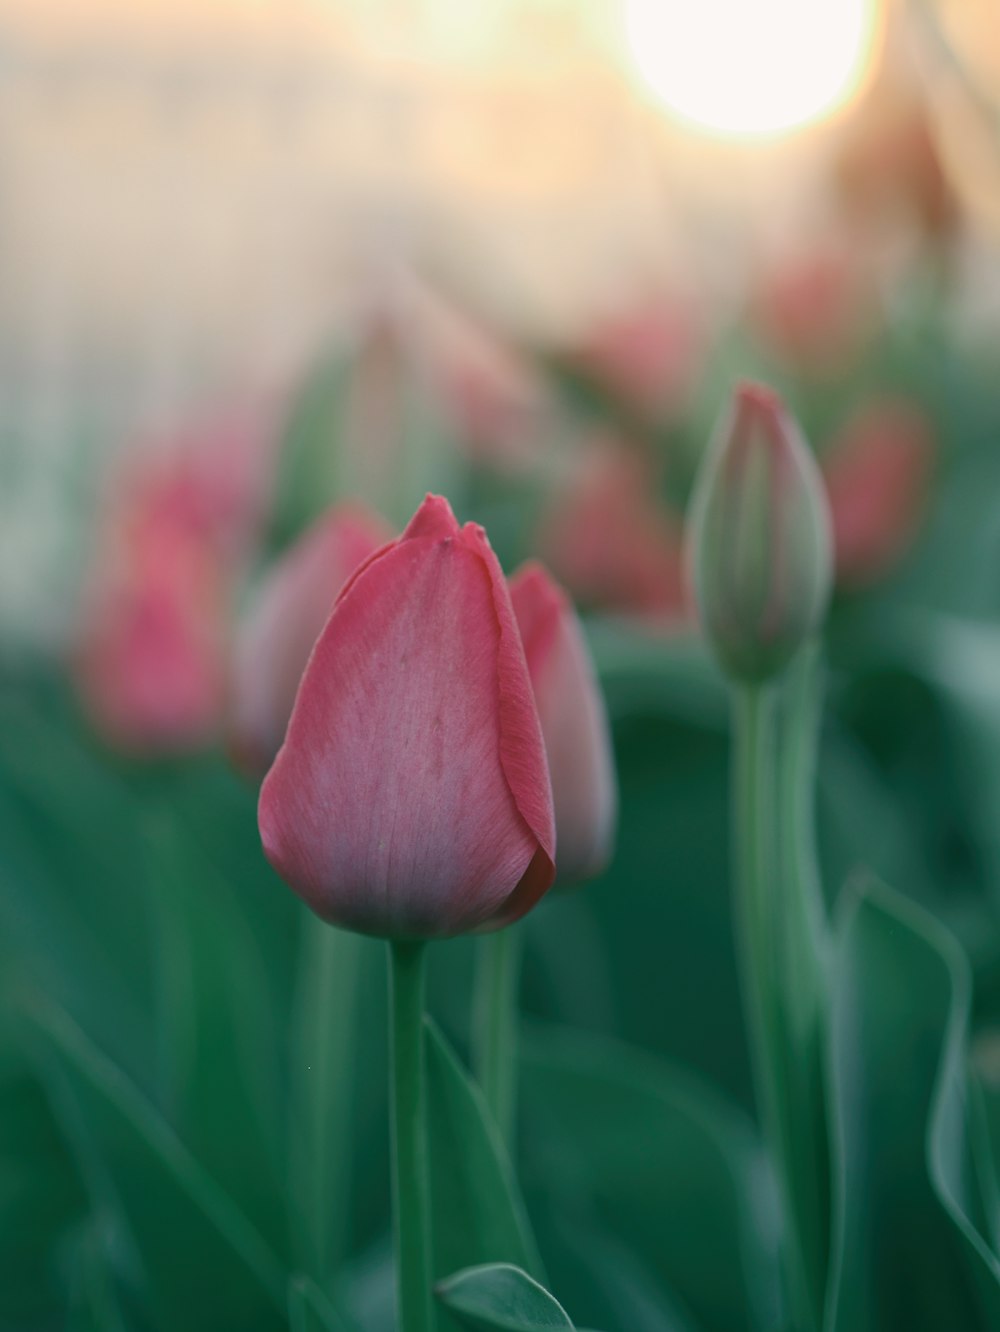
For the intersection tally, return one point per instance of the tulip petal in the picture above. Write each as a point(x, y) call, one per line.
point(290, 610)
point(574, 723)
point(411, 796)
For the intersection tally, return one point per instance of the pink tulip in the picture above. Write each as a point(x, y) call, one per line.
point(151, 655)
point(574, 724)
point(877, 475)
point(411, 798)
point(611, 543)
point(648, 355)
point(814, 311)
point(292, 606)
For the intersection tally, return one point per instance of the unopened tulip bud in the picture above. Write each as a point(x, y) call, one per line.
point(760, 538)
point(574, 724)
point(411, 798)
point(285, 620)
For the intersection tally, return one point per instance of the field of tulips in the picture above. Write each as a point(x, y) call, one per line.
point(508, 835)
point(765, 783)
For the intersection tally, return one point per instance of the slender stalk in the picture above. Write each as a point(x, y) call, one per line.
point(411, 1216)
point(758, 912)
point(802, 963)
point(324, 1041)
point(498, 984)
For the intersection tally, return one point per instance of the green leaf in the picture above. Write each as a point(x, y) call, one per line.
point(906, 1250)
point(41, 1196)
point(309, 1310)
point(478, 1213)
point(326, 1025)
point(188, 1256)
point(675, 1171)
point(500, 1298)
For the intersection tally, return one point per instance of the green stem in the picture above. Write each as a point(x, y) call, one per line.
point(411, 1212)
point(802, 947)
point(324, 1039)
point(498, 984)
point(758, 912)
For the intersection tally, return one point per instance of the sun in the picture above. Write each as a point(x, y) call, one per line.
point(749, 68)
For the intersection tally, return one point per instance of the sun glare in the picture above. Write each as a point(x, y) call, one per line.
point(743, 68)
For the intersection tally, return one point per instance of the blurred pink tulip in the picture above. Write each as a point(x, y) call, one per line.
point(211, 481)
point(286, 617)
point(610, 542)
point(877, 477)
point(574, 724)
point(814, 311)
point(178, 526)
point(151, 660)
point(411, 797)
point(648, 355)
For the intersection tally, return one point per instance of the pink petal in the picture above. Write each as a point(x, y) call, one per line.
point(290, 610)
point(574, 724)
point(411, 797)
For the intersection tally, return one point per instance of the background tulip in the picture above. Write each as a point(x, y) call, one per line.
point(284, 621)
point(574, 724)
point(411, 798)
point(877, 475)
point(760, 538)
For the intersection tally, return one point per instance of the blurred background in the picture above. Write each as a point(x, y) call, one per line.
point(259, 257)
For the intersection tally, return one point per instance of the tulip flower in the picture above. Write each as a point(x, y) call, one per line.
point(574, 724)
point(877, 473)
point(411, 798)
point(760, 538)
point(288, 613)
point(815, 311)
point(150, 659)
point(609, 541)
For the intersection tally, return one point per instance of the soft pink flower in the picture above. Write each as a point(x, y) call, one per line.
point(877, 475)
point(648, 355)
point(176, 530)
point(411, 797)
point(574, 724)
point(814, 310)
point(151, 654)
point(286, 617)
point(612, 544)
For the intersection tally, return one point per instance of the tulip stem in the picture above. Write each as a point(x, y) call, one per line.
point(759, 909)
point(411, 1210)
point(498, 985)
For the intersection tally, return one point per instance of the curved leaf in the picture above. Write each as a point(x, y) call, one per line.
point(478, 1213)
point(906, 1252)
point(674, 1171)
point(190, 1258)
point(500, 1298)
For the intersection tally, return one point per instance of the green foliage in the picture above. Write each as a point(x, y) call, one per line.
point(500, 1298)
point(193, 1126)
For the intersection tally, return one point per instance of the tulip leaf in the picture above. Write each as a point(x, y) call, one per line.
point(498, 1297)
point(326, 1023)
point(309, 1310)
point(906, 1249)
point(478, 1213)
point(187, 1256)
point(674, 1171)
point(41, 1196)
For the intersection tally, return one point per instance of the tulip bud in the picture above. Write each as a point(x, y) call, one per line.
point(287, 615)
point(411, 797)
point(574, 724)
point(760, 538)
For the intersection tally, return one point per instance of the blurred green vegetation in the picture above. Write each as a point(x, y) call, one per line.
point(193, 1130)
